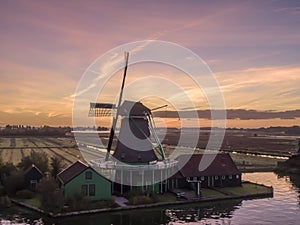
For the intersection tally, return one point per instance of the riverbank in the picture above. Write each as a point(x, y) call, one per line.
point(248, 190)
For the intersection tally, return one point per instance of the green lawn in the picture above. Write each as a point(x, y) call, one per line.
point(166, 197)
point(34, 202)
point(209, 193)
point(246, 188)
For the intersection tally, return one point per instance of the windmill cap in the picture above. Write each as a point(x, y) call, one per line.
point(130, 108)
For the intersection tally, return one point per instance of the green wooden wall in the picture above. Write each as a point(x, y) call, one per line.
point(102, 186)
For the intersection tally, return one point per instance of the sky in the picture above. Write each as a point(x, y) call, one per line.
point(252, 48)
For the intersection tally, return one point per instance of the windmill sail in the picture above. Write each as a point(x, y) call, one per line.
point(101, 109)
point(113, 127)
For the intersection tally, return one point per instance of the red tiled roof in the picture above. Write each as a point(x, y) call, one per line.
point(72, 171)
point(221, 165)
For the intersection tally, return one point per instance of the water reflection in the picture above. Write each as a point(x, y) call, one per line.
point(219, 212)
point(294, 179)
point(283, 208)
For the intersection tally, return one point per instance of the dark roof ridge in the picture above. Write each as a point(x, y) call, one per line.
point(72, 165)
point(71, 171)
point(33, 166)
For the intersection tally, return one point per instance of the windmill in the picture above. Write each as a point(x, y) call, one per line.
point(134, 161)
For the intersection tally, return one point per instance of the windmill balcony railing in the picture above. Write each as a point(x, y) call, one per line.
point(102, 164)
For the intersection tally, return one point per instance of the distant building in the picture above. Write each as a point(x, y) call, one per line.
point(81, 178)
point(222, 172)
point(32, 176)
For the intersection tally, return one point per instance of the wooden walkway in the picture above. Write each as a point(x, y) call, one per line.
point(121, 201)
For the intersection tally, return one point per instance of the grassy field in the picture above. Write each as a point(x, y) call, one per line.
point(13, 149)
point(255, 163)
point(245, 162)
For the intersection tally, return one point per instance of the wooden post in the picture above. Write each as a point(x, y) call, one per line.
point(153, 180)
point(121, 182)
point(130, 179)
point(161, 182)
point(143, 180)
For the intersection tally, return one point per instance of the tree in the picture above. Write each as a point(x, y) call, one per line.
point(14, 182)
point(39, 159)
point(6, 170)
point(57, 165)
point(51, 196)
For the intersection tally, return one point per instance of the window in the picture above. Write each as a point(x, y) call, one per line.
point(202, 178)
point(223, 177)
point(123, 155)
point(237, 176)
point(92, 190)
point(88, 175)
point(84, 189)
point(230, 177)
point(139, 157)
point(216, 177)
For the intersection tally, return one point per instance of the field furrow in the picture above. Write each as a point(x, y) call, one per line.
point(4, 142)
point(65, 156)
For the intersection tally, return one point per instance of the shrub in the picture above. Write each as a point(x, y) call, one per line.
point(5, 202)
point(14, 182)
point(104, 204)
point(50, 195)
point(78, 202)
point(139, 200)
point(25, 194)
point(2, 190)
point(134, 192)
point(6, 170)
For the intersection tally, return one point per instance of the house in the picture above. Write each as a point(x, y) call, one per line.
point(81, 178)
point(221, 172)
point(32, 176)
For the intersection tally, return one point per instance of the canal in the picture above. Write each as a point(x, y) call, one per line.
point(283, 208)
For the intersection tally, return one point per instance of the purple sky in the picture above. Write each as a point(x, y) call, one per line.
point(253, 48)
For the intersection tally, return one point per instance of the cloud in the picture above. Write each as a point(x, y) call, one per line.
point(291, 10)
point(31, 118)
point(241, 114)
point(265, 88)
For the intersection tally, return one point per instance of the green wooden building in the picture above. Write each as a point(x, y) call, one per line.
point(81, 178)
